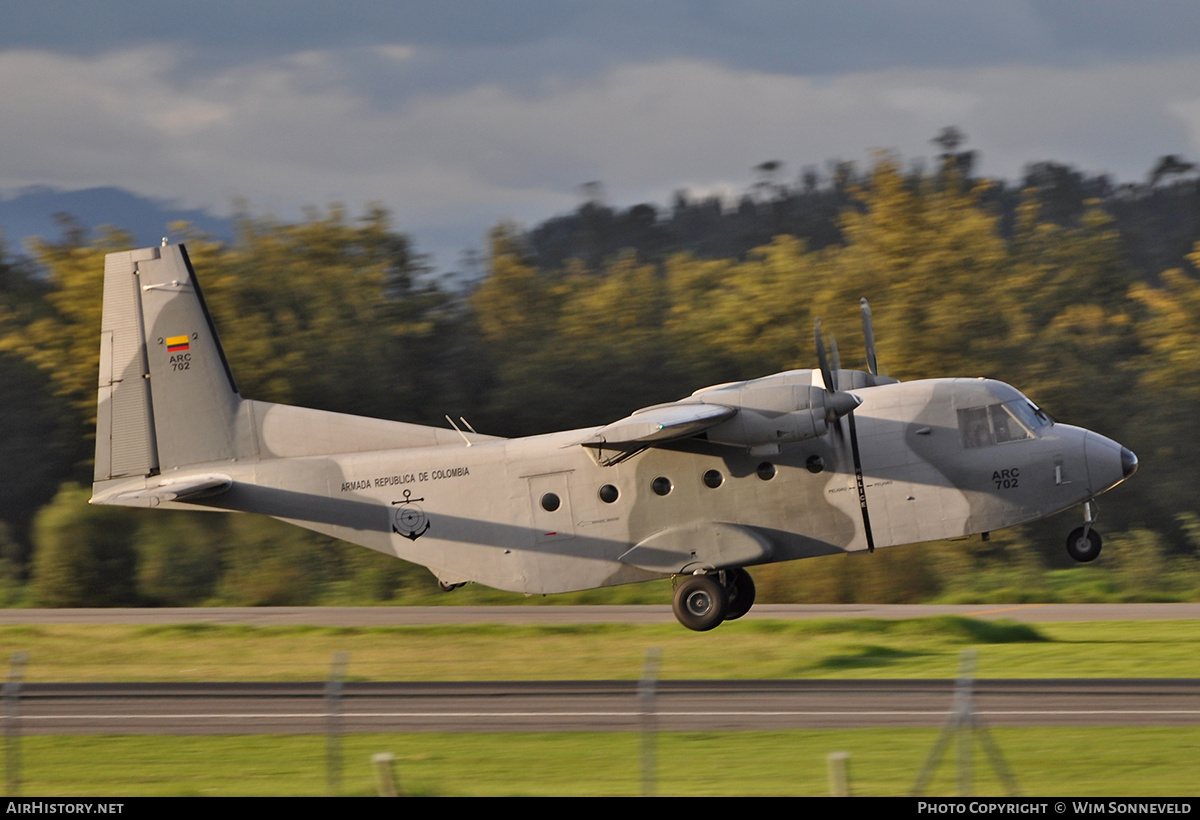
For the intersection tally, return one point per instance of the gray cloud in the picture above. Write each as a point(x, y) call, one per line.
point(459, 114)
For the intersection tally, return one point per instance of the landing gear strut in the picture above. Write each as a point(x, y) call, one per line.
point(1083, 544)
point(702, 602)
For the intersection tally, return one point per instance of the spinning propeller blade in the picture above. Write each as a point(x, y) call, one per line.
point(827, 376)
point(869, 336)
point(837, 403)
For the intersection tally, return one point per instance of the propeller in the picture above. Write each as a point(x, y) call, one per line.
point(869, 337)
point(823, 360)
point(837, 403)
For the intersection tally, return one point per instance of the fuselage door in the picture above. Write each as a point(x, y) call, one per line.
point(551, 505)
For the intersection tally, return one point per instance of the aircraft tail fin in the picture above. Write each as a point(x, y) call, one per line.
point(167, 397)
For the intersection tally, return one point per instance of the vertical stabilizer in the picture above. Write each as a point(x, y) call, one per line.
point(125, 444)
point(167, 397)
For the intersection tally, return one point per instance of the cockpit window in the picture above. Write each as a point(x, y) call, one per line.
point(973, 423)
point(998, 423)
point(1029, 413)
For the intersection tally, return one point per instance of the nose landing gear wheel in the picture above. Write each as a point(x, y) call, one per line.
point(700, 602)
point(1083, 547)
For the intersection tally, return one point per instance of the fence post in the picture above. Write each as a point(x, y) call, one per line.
point(385, 774)
point(839, 777)
point(646, 692)
point(12, 722)
point(333, 740)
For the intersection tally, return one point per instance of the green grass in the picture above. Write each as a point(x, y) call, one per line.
point(1111, 762)
point(864, 648)
point(1079, 762)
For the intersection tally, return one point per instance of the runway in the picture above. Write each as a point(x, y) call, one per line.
point(503, 706)
point(540, 706)
point(553, 614)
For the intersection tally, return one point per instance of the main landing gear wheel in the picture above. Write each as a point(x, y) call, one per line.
point(741, 593)
point(1083, 547)
point(700, 602)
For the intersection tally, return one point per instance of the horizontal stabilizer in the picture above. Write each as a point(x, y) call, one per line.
point(175, 489)
point(653, 425)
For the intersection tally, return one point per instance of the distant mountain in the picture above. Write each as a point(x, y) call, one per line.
point(31, 212)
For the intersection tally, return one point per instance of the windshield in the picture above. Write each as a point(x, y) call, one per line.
point(1000, 423)
point(1029, 413)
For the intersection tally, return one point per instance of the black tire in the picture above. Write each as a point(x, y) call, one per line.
point(700, 602)
point(741, 593)
point(1084, 549)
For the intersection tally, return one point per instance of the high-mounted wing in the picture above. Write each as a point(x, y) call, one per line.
point(760, 414)
point(654, 425)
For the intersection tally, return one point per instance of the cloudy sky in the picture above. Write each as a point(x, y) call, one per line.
point(458, 114)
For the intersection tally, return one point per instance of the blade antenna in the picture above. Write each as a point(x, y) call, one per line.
point(869, 336)
point(459, 431)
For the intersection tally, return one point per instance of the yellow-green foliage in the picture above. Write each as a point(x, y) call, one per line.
point(335, 312)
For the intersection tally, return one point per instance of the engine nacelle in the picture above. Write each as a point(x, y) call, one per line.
point(774, 414)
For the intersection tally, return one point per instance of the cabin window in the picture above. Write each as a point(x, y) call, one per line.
point(609, 494)
point(713, 479)
point(551, 502)
point(994, 424)
point(814, 464)
point(661, 485)
point(766, 471)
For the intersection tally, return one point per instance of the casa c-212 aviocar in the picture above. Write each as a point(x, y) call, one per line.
point(793, 465)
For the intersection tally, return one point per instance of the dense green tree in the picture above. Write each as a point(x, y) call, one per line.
point(269, 563)
point(179, 557)
point(83, 555)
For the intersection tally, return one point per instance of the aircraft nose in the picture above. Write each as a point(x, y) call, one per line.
point(1108, 463)
point(1129, 462)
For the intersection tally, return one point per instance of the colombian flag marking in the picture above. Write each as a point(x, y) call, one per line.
point(177, 343)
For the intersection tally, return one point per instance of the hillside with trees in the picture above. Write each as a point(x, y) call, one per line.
point(1082, 293)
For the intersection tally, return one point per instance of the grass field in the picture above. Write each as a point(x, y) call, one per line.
point(1050, 762)
point(846, 648)
point(1077, 761)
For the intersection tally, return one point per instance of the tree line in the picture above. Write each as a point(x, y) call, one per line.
point(584, 318)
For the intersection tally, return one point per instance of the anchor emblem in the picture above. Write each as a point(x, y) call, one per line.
point(408, 519)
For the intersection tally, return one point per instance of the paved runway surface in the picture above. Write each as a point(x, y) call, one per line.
point(265, 708)
point(417, 615)
point(255, 708)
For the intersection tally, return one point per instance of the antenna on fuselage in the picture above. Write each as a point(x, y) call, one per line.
point(460, 432)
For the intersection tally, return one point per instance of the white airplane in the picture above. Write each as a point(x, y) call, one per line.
point(792, 465)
